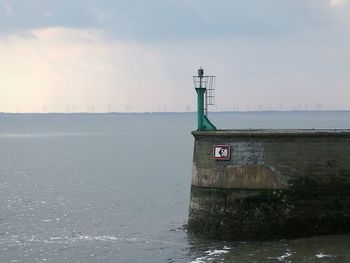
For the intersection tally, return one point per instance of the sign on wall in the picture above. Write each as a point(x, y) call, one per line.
point(221, 152)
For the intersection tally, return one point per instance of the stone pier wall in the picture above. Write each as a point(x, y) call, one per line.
point(276, 184)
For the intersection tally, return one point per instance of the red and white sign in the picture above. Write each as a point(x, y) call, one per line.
point(221, 152)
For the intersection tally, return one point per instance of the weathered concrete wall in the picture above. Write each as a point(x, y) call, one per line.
point(277, 183)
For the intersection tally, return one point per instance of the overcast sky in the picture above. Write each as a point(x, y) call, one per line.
point(110, 55)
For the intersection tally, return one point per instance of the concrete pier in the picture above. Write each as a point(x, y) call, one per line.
point(273, 184)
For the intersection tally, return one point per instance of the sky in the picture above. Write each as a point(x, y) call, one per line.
point(140, 56)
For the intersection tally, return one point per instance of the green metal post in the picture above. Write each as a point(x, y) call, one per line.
point(204, 123)
point(200, 107)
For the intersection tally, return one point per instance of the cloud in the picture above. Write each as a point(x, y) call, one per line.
point(337, 3)
point(6, 8)
point(173, 19)
point(48, 13)
point(61, 67)
point(72, 55)
point(64, 69)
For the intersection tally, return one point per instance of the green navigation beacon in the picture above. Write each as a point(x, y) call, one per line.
point(204, 86)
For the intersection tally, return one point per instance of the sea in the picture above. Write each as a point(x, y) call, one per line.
point(116, 187)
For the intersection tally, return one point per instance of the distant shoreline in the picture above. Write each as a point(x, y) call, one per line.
point(169, 112)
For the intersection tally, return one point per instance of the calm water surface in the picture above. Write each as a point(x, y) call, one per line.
point(116, 188)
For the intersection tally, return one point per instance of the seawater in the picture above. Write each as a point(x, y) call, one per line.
point(116, 188)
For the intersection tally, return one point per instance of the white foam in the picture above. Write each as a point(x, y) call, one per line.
point(198, 260)
point(99, 238)
point(283, 257)
point(287, 255)
point(216, 252)
point(210, 254)
point(321, 255)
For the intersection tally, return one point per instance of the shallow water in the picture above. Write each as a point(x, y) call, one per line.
point(115, 188)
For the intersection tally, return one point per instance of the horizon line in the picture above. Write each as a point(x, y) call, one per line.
point(175, 112)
